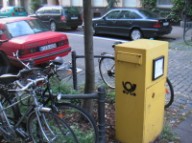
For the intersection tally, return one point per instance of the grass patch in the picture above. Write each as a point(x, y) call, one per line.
point(168, 135)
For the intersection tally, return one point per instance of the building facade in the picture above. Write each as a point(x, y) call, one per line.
point(96, 4)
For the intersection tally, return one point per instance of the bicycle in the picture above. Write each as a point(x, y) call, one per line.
point(80, 121)
point(37, 123)
point(107, 72)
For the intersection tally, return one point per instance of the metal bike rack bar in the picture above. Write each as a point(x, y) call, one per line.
point(74, 56)
point(100, 96)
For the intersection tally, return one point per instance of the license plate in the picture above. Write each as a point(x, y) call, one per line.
point(165, 23)
point(74, 18)
point(48, 47)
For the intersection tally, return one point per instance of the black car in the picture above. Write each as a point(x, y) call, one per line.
point(132, 22)
point(58, 17)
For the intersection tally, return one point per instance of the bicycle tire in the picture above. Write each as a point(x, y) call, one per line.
point(188, 37)
point(53, 129)
point(107, 71)
point(81, 122)
point(169, 96)
point(12, 115)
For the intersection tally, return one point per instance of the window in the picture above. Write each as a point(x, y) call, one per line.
point(76, 2)
point(112, 15)
point(134, 15)
point(19, 9)
point(21, 28)
point(99, 3)
point(56, 11)
point(124, 15)
point(40, 11)
point(164, 3)
point(130, 3)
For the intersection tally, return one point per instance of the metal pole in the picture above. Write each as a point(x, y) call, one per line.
point(74, 69)
point(101, 114)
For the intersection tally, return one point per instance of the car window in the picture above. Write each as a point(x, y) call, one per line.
point(148, 14)
point(40, 11)
point(112, 15)
point(124, 15)
point(56, 11)
point(47, 11)
point(134, 15)
point(19, 9)
point(25, 27)
point(5, 9)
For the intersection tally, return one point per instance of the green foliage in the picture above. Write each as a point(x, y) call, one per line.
point(149, 4)
point(167, 134)
point(110, 96)
point(35, 4)
point(112, 3)
point(180, 9)
point(61, 87)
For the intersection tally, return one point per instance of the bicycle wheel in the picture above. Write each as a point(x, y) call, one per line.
point(50, 129)
point(188, 37)
point(107, 71)
point(169, 97)
point(80, 122)
point(8, 115)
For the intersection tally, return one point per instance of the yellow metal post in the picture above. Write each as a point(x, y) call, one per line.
point(141, 71)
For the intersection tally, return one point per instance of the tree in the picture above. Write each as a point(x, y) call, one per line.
point(35, 4)
point(89, 56)
point(149, 4)
point(112, 3)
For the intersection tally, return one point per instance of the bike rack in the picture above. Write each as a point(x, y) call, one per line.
point(100, 96)
point(74, 57)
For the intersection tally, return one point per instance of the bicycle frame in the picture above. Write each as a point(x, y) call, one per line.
point(35, 107)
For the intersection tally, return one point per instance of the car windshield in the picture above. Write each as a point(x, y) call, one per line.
point(25, 27)
point(148, 14)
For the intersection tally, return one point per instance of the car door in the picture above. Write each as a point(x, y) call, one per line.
point(128, 19)
point(124, 23)
point(107, 24)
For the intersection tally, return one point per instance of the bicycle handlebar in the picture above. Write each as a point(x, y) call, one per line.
point(31, 83)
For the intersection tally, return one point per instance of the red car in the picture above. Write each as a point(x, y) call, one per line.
point(32, 39)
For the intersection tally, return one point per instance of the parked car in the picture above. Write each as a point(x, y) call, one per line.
point(33, 41)
point(10, 11)
point(132, 22)
point(58, 17)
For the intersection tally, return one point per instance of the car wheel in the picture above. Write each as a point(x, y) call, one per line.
point(4, 64)
point(74, 27)
point(53, 26)
point(136, 34)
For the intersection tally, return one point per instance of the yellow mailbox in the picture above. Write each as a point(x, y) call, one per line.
point(141, 71)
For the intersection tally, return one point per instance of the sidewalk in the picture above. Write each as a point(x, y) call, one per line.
point(180, 67)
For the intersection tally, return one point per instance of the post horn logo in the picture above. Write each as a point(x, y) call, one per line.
point(129, 88)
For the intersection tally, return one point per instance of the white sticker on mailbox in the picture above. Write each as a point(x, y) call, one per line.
point(158, 67)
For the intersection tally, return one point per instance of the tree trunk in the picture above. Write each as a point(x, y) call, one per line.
point(89, 56)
